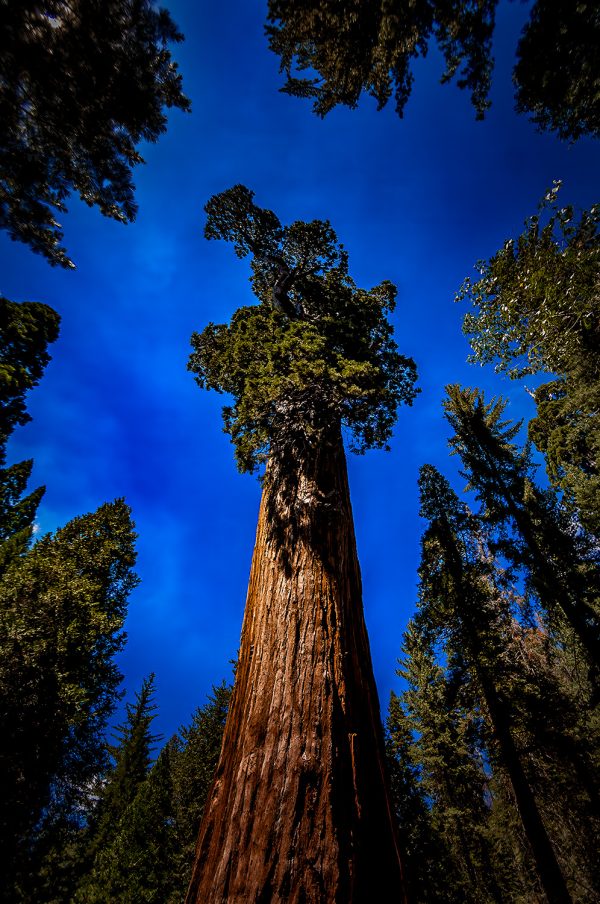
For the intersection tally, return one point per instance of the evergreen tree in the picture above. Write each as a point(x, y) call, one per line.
point(194, 758)
point(81, 85)
point(62, 608)
point(26, 330)
point(447, 749)
point(557, 76)
point(300, 808)
point(132, 757)
point(25, 333)
point(461, 601)
point(136, 866)
point(131, 834)
point(560, 566)
point(535, 309)
point(141, 838)
point(354, 47)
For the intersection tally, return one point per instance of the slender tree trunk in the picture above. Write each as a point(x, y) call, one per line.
point(300, 809)
point(547, 865)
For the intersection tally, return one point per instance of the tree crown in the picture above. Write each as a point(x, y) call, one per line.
point(81, 84)
point(315, 352)
point(355, 47)
point(535, 306)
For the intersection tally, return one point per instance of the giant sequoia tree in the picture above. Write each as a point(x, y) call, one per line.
point(300, 810)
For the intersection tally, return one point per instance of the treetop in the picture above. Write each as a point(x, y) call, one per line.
point(315, 352)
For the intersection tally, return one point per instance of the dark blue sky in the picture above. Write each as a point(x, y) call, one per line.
point(417, 201)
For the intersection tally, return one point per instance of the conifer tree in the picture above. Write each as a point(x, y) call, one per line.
point(536, 309)
point(333, 52)
point(446, 747)
point(460, 600)
point(26, 330)
point(62, 609)
point(560, 565)
point(135, 863)
point(426, 860)
point(300, 808)
point(132, 757)
point(143, 834)
point(194, 758)
point(82, 84)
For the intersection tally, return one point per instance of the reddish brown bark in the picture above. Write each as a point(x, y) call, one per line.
point(300, 811)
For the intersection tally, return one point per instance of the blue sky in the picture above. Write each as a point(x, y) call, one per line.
point(417, 201)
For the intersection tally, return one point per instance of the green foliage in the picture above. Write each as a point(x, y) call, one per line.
point(566, 430)
point(194, 758)
point(132, 756)
point(316, 351)
point(62, 608)
point(464, 605)
point(353, 47)
point(348, 48)
point(26, 330)
point(17, 514)
point(536, 308)
point(142, 835)
point(444, 746)
point(557, 75)
point(126, 824)
point(82, 84)
point(559, 563)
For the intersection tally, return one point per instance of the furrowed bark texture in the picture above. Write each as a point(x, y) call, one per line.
point(300, 811)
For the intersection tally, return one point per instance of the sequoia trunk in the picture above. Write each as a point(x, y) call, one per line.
point(300, 810)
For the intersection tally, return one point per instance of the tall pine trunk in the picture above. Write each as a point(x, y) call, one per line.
point(300, 809)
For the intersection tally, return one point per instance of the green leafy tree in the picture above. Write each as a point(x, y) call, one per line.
point(354, 47)
point(462, 604)
point(62, 608)
point(300, 807)
point(535, 309)
point(82, 84)
point(560, 565)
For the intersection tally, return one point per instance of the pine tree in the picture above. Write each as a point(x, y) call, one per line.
point(560, 565)
point(447, 748)
point(81, 85)
point(535, 309)
point(135, 863)
point(300, 807)
point(194, 757)
point(62, 609)
point(138, 866)
point(132, 758)
point(461, 601)
point(332, 53)
point(425, 858)
point(26, 330)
